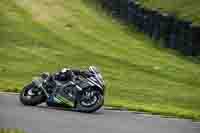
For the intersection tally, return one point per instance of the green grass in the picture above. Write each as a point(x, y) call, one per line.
point(46, 35)
point(9, 130)
point(184, 9)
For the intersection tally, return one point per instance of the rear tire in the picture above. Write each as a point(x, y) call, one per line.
point(31, 101)
point(89, 109)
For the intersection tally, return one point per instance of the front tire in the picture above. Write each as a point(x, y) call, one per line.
point(81, 106)
point(27, 99)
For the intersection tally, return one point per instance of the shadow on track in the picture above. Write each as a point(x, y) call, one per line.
point(67, 109)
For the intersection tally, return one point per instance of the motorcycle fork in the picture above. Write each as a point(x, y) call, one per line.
point(44, 90)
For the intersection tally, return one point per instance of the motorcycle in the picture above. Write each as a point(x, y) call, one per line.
point(83, 94)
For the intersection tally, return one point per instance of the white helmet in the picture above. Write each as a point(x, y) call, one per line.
point(65, 70)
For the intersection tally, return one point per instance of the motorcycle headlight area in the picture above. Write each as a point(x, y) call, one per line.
point(37, 81)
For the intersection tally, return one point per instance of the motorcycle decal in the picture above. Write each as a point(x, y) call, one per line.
point(64, 100)
point(57, 100)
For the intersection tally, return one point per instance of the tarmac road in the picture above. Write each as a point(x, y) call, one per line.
point(42, 119)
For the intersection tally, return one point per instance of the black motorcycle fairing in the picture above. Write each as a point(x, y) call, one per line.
point(83, 83)
point(69, 93)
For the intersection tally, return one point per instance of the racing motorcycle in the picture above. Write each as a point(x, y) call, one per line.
point(83, 94)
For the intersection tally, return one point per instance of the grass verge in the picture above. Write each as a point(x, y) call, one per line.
point(184, 9)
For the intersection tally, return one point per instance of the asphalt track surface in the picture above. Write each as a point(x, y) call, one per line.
point(42, 119)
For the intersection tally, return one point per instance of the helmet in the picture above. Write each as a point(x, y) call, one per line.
point(65, 70)
point(66, 74)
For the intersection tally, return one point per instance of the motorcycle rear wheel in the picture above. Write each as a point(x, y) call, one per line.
point(31, 100)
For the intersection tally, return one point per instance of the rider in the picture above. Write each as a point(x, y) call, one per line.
point(67, 74)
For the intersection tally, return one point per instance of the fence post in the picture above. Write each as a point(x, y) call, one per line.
point(147, 22)
point(135, 13)
point(156, 26)
point(173, 37)
point(196, 40)
point(180, 35)
point(131, 10)
point(168, 23)
point(137, 18)
point(124, 9)
point(187, 48)
point(146, 18)
point(140, 18)
point(115, 10)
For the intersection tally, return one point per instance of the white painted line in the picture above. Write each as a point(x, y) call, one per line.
point(9, 93)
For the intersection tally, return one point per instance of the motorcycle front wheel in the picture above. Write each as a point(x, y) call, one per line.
point(90, 101)
point(29, 96)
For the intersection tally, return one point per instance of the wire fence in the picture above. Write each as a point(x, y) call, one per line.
point(175, 33)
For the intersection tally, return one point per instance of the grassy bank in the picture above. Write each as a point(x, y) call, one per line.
point(46, 35)
point(184, 9)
